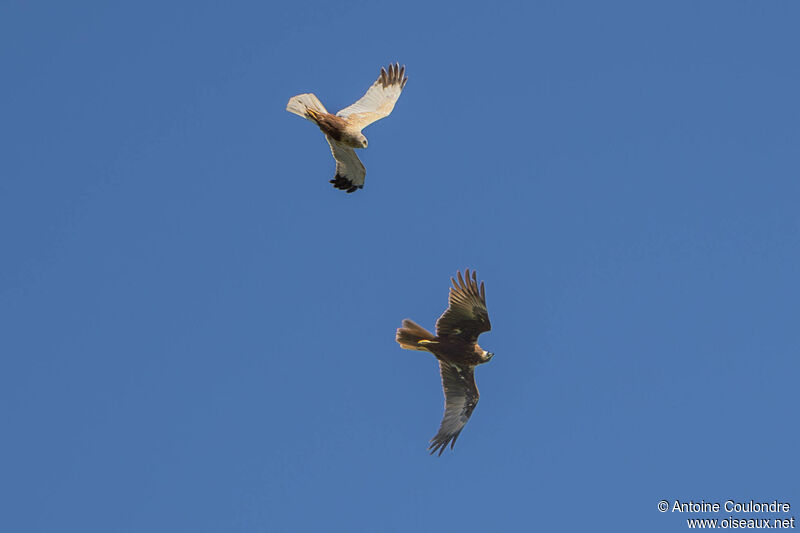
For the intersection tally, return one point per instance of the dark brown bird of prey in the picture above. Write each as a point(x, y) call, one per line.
point(343, 130)
point(455, 345)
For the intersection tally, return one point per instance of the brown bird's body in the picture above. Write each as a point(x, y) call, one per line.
point(454, 350)
point(455, 346)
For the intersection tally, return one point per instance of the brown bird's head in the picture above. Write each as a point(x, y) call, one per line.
point(487, 356)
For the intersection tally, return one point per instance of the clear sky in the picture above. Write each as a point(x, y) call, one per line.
point(198, 330)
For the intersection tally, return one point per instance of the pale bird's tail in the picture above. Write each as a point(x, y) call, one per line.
point(412, 336)
point(303, 103)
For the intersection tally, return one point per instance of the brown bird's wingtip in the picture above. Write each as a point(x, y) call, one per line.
point(468, 274)
point(436, 447)
point(440, 445)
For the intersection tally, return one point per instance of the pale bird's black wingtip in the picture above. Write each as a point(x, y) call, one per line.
point(344, 184)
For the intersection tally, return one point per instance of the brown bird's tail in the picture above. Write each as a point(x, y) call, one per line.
point(305, 105)
point(412, 336)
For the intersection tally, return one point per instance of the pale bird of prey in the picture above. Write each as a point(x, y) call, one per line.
point(455, 345)
point(343, 130)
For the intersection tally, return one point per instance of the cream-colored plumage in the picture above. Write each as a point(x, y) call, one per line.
point(343, 130)
point(379, 100)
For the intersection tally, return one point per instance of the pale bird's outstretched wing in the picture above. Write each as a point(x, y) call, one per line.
point(350, 172)
point(466, 317)
point(460, 399)
point(379, 99)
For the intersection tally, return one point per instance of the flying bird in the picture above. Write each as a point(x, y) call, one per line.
point(455, 345)
point(343, 130)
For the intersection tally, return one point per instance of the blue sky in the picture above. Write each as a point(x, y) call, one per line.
point(198, 330)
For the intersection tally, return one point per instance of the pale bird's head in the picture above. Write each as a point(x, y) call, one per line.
point(488, 355)
point(362, 140)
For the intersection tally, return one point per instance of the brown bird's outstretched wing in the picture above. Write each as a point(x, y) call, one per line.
point(379, 99)
point(460, 399)
point(350, 171)
point(466, 317)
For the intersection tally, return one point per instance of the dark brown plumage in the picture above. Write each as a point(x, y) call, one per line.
point(395, 76)
point(455, 346)
point(330, 125)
